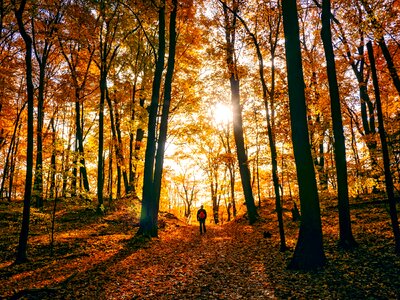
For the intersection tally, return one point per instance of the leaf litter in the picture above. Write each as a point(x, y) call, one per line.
point(99, 258)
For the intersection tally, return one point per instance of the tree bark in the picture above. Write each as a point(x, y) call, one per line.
point(270, 120)
point(162, 139)
point(100, 163)
point(23, 237)
point(53, 161)
point(309, 252)
point(346, 239)
point(117, 141)
point(120, 157)
point(148, 225)
point(237, 118)
point(10, 154)
point(390, 64)
point(382, 44)
point(42, 59)
point(79, 138)
point(38, 182)
point(385, 153)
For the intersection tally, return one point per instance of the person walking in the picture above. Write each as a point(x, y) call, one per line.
point(201, 217)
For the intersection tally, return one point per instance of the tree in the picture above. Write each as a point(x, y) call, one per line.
point(11, 153)
point(186, 187)
point(385, 153)
point(78, 54)
point(148, 215)
point(162, 138)
point(230, 163)
point(268, 96)
point(43, 46)
point(309, 252)
point(346, 239)
point(111, 37)
point(23, 237)
point(357, 64)
point(382, 44)
point(230, 34)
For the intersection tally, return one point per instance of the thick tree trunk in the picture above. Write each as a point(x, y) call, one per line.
point(23, 237)
point(309, 252)
point(385, 153)
point(346, 239)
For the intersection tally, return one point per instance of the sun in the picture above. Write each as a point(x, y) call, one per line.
point(222, 114)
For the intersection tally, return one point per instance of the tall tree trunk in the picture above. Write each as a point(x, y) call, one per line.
point(270, 120)
point(65, 160)
point(23, 237)
point(134, 149)
point(74, 179)
point(162, 139)
point(148, 227)
point(309, 252)
point(53, 160)
point(385, 153)
point(100, 159)
point(79, 139)
point(13, 163)
point(79, 148)
point(237, 117)
point(138, 145)
point(346, 239)
point(320, 165)
point(257, 162)
point(38, 182)
point(107, 55)
point(120, 157)
point(367, 107)
point(110, 174)
point(271, 138)
point(10, 153)
point(118, 151)
point(231, 167)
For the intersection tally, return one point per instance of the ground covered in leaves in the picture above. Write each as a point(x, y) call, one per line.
point(97, 257)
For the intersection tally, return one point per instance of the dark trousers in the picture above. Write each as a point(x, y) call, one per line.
point(202, 226)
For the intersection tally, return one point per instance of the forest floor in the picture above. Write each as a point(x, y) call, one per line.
point(96, 257)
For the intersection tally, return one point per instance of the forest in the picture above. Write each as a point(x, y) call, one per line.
point(119, 119)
